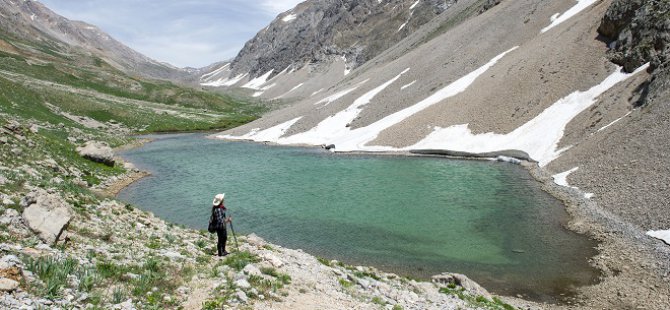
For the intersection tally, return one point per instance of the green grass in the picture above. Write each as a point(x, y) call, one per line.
point(361, 274)
point(378, 300)
point(476, 301)
point(54, 274)
point(239, 260)
point(345, 283)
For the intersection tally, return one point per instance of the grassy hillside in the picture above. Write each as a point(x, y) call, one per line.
point(35, 73)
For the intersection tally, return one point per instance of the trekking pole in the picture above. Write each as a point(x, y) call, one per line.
point(234, 237)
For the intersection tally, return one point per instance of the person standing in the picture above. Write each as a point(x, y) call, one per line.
point(220, 220)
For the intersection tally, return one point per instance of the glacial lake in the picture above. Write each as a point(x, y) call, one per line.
point(413, 216)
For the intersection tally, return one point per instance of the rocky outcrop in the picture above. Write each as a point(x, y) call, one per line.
point(318, 30)
point(98, 152)
point(48, 215)
point(640, 32)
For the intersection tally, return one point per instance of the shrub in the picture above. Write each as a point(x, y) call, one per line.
point(345, 283)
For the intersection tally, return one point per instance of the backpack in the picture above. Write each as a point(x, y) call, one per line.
point(212, 226)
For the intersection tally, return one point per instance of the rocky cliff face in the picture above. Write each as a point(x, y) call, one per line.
point(31, 20)
point(640, 32)
point(317, 30)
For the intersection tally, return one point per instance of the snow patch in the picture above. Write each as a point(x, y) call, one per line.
point(407, 85)
point(289, 18)
point(332, 98)
point(263, 90)
point(358, 138)
point(226, 81)
point(554, 17)
point(271, 134)
point(32, 17)
point(539, 137)
point(402, 26)
point(290, 91)
point(614, 122)
point(660, 234)
point(507, 159)
point(562, 178)
point(413, 5)
point(215, 72)
point(337, 125)
point(259, 81)
point(580, 6)
point(317, 92)
point(347, 69)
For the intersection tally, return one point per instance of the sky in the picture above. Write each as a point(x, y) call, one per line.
point(184, 33)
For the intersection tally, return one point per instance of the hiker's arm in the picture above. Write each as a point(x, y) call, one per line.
point(229, 219)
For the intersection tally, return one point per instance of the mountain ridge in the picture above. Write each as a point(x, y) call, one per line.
point(31, 20)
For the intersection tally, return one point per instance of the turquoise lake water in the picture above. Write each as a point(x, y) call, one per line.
point(408, 215)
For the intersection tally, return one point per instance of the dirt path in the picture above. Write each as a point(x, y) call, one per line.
point(201, 290)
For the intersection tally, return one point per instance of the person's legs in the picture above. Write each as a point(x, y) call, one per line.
point(221, 244)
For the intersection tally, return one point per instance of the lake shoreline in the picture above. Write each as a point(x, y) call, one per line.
point(585, 218)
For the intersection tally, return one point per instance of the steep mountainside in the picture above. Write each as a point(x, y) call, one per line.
point(316, 30)
point(319, 42)
point(32, 21)
point(538, 80)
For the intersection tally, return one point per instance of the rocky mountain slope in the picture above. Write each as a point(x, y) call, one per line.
point(319, 42)
point(32, 21)
point(565, 84)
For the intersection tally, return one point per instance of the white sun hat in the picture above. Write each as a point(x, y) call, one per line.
point(218, 199)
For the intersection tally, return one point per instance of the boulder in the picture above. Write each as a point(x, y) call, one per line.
point(241, 296)
point(243, 284)
point(463, 281)
point(98, 152)
point(251, 270)
point(47, 215)
point(8, 285)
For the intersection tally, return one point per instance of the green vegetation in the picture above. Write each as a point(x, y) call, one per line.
point(148, 282)
point(54, 275)
point(362, 274)
point(345, 283)
point(476, 301)
point(239, 260)
point(378, 300)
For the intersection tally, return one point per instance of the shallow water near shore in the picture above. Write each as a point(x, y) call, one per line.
point(414, 216)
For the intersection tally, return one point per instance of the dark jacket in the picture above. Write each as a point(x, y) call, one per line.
point(219, 217)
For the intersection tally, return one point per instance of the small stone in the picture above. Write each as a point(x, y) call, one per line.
point(243, 284)
point(242, 296)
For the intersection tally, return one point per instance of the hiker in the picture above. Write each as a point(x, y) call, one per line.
point(218, 220)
